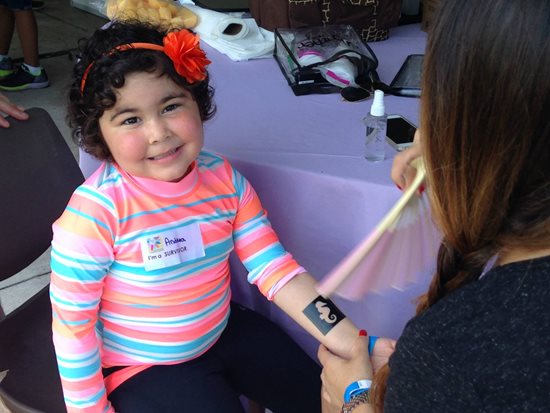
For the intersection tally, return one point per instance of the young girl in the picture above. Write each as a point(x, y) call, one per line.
point(140, 288)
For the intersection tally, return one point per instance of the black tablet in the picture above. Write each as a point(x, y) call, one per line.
point(407, 81)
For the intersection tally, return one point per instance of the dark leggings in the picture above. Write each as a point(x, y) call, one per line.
point(253, 357)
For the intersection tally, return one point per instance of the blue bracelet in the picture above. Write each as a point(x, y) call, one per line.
point(372, 340)
point(355, 388)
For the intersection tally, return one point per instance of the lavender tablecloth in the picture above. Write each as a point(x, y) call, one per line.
point(304, 156)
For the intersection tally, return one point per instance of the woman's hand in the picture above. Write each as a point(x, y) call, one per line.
point(8, 108)
point(338, 372)
point(401, 172)
point(383, 349)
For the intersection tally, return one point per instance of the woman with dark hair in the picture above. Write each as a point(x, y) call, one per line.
point(481, 338)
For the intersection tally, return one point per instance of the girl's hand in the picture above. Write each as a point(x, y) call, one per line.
point(338, 372)
point(10, 109)
point(383, 349)
point(401, 172)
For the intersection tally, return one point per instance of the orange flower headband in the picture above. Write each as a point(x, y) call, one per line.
point(182, 47)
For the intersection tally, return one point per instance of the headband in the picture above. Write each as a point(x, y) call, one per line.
point(182, 47)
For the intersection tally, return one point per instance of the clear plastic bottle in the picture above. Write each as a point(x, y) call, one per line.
point(376, 123)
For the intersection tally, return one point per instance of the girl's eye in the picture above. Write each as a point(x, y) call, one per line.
point(130, 121)
point(171, 107)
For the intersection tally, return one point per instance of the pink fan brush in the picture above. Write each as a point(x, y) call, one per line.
point(400, 250)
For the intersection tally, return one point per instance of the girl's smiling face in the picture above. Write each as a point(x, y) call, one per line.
point(154, 130)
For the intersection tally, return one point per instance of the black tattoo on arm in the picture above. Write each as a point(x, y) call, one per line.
point(324, 314)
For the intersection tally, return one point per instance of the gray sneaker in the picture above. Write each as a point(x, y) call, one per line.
point(22, 79)
point(6, 67)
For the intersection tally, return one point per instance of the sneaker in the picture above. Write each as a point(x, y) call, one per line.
point(6, 68)
point(37, 5)
point(22, 79)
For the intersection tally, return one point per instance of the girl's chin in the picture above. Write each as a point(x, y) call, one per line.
point(178, 176)
point(165, 176)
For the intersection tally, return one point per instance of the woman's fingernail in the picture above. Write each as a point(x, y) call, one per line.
point(363, 333)
point(421, 189)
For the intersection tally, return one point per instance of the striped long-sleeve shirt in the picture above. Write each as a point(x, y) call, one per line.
point(140, 271)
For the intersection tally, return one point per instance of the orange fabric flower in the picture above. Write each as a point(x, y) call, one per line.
point(189, 59)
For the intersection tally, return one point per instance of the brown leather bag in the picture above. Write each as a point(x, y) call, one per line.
point(372, 19)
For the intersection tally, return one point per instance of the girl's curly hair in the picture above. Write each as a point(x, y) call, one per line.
point(109, 71)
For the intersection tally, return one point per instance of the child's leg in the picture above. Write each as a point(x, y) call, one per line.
point(7, 25)
point(28, 35)
point(29, 75)
point(197, 386)
point(267, 366)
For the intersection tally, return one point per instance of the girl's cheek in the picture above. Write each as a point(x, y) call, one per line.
point(130, 145)
point(135, 149)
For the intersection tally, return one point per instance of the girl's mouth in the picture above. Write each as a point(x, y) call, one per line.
point(165, 154)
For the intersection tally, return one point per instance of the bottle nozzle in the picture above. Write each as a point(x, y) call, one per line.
point(377, 108)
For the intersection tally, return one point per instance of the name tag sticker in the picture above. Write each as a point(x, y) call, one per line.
point(172, 247)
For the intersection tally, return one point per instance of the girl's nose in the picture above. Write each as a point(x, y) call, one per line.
point(158, 131)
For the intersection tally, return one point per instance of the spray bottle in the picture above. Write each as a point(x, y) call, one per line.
point(376, 122)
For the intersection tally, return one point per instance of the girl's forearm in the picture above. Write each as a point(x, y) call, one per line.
point(299, 299)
